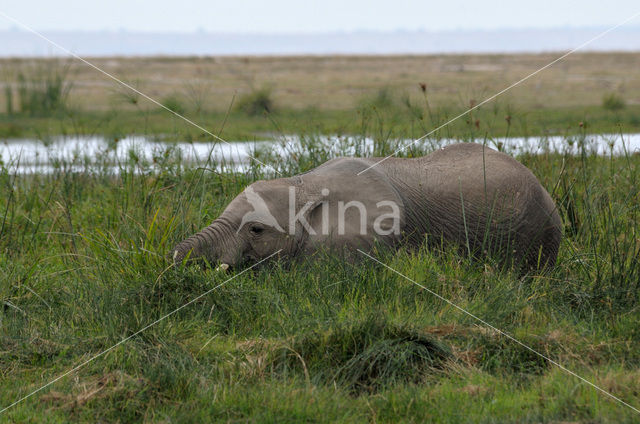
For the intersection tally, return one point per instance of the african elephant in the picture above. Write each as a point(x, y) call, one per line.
point(481, 200)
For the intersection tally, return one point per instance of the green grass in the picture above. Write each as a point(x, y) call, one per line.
point(82, 265)
point(382, 116)
point(37, 105)
point(257, 102)
point(613, 101)
point(41, 90)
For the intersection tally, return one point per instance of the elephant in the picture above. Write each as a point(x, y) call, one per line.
point(483, 202)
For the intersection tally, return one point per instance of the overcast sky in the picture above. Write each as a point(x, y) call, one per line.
point(278, 16)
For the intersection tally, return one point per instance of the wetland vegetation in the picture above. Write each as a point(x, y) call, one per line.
point(83, 265)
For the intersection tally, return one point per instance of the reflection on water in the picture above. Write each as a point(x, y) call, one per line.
point(29, 156)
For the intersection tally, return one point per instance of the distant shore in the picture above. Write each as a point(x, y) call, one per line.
point(18, 43)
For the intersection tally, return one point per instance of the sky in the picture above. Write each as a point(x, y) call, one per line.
point(300, 16)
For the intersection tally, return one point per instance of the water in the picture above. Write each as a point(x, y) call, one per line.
point(31, 156)
point(80, 153)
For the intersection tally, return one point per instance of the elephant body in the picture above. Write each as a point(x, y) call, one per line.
point(468, 195)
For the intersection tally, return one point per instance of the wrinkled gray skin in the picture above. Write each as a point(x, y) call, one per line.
point(483, 201)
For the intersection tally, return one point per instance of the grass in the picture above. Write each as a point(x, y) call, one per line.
point(42, 90)
point(395, 122)
point(174, 104)
point(613, 101)
point(82, 265)
point(404, 96)
point(257, 102)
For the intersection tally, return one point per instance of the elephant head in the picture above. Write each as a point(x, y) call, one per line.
point(297, 215)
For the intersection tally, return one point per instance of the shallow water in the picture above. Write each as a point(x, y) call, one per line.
point(31, 156)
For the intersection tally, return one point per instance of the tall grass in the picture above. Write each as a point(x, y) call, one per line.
point(83, 265)
point(174, 104)
point(43, 88)
point(8, 98)
point(257, 102)
point(613, 101)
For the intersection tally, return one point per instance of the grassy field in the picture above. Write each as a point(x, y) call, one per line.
point(83, 266)
point(253, 96)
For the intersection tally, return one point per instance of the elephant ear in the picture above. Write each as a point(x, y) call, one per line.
point(350, 210)
point(283, 205)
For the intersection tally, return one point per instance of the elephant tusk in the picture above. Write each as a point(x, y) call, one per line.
point(175, 255)
point(222, 267)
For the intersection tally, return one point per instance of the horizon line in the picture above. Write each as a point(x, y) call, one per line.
point(197, 31)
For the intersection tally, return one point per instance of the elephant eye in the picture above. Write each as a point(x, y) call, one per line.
point(254, 229)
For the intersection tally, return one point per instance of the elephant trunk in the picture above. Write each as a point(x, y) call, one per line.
point(217, 242)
